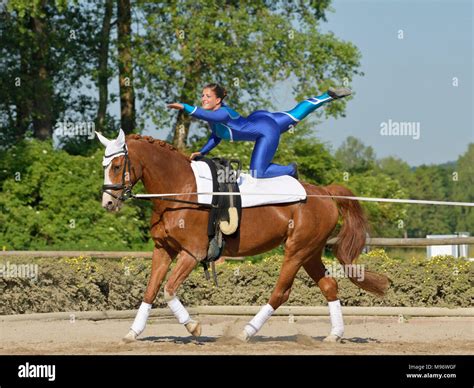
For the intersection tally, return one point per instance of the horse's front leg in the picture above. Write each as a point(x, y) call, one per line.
point(159, 267)
point(184, 265)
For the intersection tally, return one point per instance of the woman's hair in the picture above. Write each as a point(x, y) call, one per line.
point(218, 90)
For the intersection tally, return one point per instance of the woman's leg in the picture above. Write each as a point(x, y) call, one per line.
point(304, 108)
point(262, 155)
point(290, 118)
point(271, 125)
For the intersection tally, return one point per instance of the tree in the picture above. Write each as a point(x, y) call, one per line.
point(103, 76)
point(315, 162)
point(15, 90)
point(354, 156)
point(445, 182)
point(26, 58)
point(397, 169)
point(367, 177)
point(430, 183)
point(46, 54)
point(385, 219)
point(181, 48)
point(463, 190)
point(127, 95)
point(42, 85)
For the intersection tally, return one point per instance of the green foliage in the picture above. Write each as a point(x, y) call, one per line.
point(449, 182)
point(177, 48)
point(397, 169)
point(431, 182)
point(83, 283)
point(384, 218)
point(354, 156)
point(462, 184)
point(69, 47)
point(315, 162)
point(51, 200)
point(360, 172)
point(393, 178)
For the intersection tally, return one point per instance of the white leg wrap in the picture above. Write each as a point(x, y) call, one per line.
point(337, 323)
point(140, 320)
point(179, 310)
point(258, 320)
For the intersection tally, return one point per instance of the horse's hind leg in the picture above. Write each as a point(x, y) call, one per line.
point(280, 294)
point(185, 264)
point(328, 285)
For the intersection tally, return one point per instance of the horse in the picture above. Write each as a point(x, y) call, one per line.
point(179, 231)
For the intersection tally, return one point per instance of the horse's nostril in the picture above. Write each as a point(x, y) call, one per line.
point(110, 203)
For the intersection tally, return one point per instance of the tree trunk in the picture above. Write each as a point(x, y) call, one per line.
point(22, 118)
point(183, 121)
point(42, 87)
point(127, 98)
point(23, 98)
point(181, 130)
point(103, 68)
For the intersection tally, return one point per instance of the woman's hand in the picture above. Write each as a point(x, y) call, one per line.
point(194, 154)
point(176, 105)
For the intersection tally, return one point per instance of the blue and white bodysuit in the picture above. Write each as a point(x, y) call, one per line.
point(261, 126)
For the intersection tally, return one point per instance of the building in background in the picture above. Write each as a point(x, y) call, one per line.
point(452, 250)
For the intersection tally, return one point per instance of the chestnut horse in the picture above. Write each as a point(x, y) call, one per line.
point(180, 230)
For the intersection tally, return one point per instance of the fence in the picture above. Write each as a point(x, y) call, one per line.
point(382, 242)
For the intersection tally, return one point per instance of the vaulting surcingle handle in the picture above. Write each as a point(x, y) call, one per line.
point(229, 227)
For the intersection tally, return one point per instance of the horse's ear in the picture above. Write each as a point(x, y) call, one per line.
point(121, 137)
point(103, 139)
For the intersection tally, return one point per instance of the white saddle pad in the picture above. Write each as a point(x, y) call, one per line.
point(254, 192)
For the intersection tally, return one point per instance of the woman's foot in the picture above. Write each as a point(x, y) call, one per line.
point(339, 92)
point(295, 167)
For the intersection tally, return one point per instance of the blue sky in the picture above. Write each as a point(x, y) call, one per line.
point(407, 80)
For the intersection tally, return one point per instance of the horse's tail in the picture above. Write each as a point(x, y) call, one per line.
point(351, 241)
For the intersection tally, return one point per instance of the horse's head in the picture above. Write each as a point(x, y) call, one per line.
point(118, 177)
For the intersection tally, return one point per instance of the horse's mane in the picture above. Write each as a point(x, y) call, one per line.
point(152, 140)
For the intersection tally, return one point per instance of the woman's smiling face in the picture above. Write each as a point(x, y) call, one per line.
point(209, 100)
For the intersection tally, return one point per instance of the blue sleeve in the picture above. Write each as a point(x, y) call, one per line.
point(211, 143)
point(213, 116)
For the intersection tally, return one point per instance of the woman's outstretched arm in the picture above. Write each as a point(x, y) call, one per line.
point(214, 116)
point(211, 143)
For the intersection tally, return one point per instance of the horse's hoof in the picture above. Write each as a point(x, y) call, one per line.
point(194, 327)
point(130, 337)
point(332, 338)
point(243, 336)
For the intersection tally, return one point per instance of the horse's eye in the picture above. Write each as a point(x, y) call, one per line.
point(116, 168)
